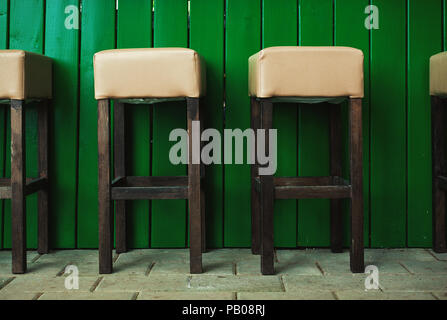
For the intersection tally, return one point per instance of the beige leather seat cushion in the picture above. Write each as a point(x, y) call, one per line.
point(149, 73)
point(438, 74)
point(25, 75)
point(306, 72)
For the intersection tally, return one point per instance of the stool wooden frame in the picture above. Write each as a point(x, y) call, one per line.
point(438, 114)
point(124, 187)
point(19, 186)
point(267, 188)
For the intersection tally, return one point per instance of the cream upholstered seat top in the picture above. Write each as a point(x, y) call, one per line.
point(148, 73)
point(25, 75)
point(438, 74)
point(306, 72)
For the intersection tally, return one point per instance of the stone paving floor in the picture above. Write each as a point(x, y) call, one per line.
point(230, 274)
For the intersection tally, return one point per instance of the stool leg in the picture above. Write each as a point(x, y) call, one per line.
point(120, 171)
point(18, 181)
point(194, 194)
point(202, 187)
point(203, 218)
point(355, 122)
point(105, 220)
point(267, 196)
point(43, 246)
point(336, 170)
point(439, 169)
point(255, 209)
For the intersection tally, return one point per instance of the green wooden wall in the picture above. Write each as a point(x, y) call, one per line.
point(396, 114)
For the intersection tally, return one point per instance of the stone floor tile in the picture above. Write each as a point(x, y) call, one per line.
point(87, 296)
point(186, 296)
point(14, 295)
point(210, 267)
point(438, 256)
point(236, 283)
point(413, 283)
point(120, 283)
point(378, 295)
point(385, 255)
point(230, 255)
point(4, 281)
point(299, 295)
point(440, 295)
point(426, 267)
point(46, 284)
point(322, 283)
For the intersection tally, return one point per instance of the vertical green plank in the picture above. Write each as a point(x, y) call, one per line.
point(350, 31)
point(26, 33)
point(135, 31)
point(62, 45)
point(3, 24)
point(168, 227)
point(243, 24)
point(206, 37)
point(388, 126)
point(97, 33)
point(316, 29)
point(279, 28)
point(3, 109)
point(424, 40)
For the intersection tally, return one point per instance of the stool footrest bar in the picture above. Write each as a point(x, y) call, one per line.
point(33, 185)
point(146, 188)
point(331, 187)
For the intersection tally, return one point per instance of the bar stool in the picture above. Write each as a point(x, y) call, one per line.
point(146, 76)
point(438, 92)
point(308, 75)
point(26, 77)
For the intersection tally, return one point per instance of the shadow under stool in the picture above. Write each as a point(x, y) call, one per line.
point(438, 92)
point(26, 77)
point(145, 76)
point(309, 75)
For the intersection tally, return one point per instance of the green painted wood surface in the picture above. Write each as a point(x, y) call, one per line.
point(315, 29)
point(27, 33)
point(388, 126)
point(62, 45)
point(424, 40)
point(169, 218)
point(4, 36)
point(207, 37)
point(243, 19)
point(350, 31)
point(134, 30)
point(279, 28)
point(395, 115)
point(97, 33)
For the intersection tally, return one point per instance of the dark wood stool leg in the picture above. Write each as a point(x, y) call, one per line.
point(203, 218)
point(255, 209)
point(18, 180)
point(43, 246)
point(336, 170)
point(356, 157)
point(267, 199)
point(194, 194)
point(202, 185)
point(120, 171)
point(105, 220)
point(438, 106)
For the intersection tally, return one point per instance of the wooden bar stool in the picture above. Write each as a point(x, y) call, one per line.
point(26, 77)
point(308, 75)
point(146, 76)
point(438, 92)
